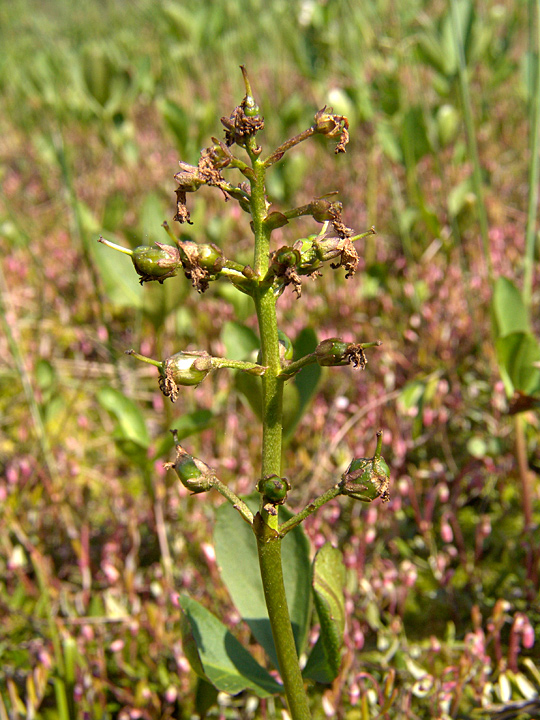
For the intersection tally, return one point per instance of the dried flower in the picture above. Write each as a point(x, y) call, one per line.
point(331, 125)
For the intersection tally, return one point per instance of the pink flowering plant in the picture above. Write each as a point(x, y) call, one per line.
point(261, 549)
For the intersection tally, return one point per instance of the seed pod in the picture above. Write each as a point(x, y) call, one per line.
point(183, 368)
point(329, 124)
point(332, 352)
point(194, 474)
point(274, 489)
point(156, 262)
point(152, 262)
point(245, 120)
point(201, 263)
point(367, 478)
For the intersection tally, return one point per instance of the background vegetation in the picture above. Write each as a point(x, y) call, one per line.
point(98, 102)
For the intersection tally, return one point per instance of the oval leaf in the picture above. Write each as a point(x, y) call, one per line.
point(239, 340)
point(509, 311)
point(217, 656)
point(304, 383)
point(328, 581)
point(131, 423)
point(238, 561)
point(516, 354)
point(119, 278)
point(191, 423)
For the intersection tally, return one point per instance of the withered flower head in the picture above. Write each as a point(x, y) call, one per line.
point(189, 179)
point(283, 265)
point(201, 263)
point(331, 248)
point(329, 124)
point(335, 351)
point(244, 121)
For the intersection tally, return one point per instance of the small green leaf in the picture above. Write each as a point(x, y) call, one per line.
point(239, 340)
point(131, 423)
point(516, 354)
point(509, 311)
point(217, 656)
point(328, 583)
point(251, 388)
point(241, 303)
point(305, 382)
point(119, 278)
point(189, 424)
point(238, 561)
point(45, 374)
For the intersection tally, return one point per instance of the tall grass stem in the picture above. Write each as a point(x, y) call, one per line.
point(471, 138)
point(534, 163)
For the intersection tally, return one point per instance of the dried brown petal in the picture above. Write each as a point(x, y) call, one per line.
point(182, 213)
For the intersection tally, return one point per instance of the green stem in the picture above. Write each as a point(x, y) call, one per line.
point(534, 164)
point(268, 540)
point(235, 501)
point(524, 473)
point(294, 367)
point(309, 510)
point(471, 137)
point(274, 593)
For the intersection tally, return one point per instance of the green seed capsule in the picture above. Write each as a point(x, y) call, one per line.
point(367, 478)
point(332, 352)
point(211, 258)
point(274, 489)
point(366, 485)
point(156, 262)
point(184, 368)
point(194, 474)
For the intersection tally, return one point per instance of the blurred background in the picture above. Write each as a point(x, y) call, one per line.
point(98, 103)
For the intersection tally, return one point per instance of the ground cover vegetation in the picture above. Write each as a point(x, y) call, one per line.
point(97, 540)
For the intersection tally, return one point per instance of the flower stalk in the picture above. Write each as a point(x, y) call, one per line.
point(264, 281)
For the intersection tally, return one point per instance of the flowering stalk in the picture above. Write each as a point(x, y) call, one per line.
point(264, 281)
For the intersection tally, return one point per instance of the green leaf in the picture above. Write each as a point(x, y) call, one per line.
point(239, 340)
point(177, 121)
point(217, 656)
point(189, 424)
point(241, 303)
point(509, 312)
point(205, 697)
point(251, 388)
point(119, 278)
point(130, 419)
point(45, 374)
point(304, 383)
point(297, 393)
point(328, 581)
point(516, 354)
point(236, 552)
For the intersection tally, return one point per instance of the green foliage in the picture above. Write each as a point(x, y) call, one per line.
point(218, 657)
point(324, 662)
point(93, 99)
point(235, 547)
point(518, 350)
